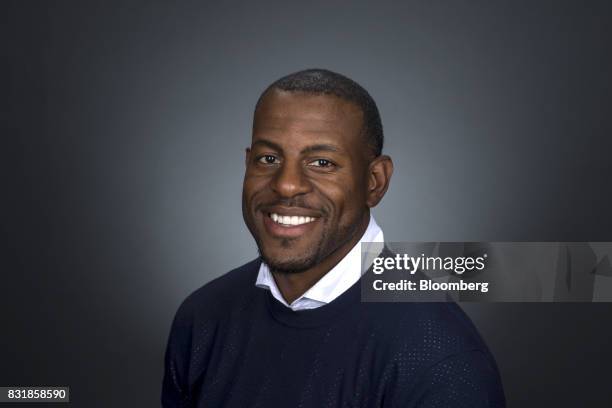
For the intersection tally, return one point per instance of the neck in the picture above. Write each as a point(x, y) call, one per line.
point(294, 285)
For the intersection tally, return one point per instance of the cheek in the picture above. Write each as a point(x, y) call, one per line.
point(344, 198)
point(252, 187)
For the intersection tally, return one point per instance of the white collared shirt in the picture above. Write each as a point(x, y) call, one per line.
point(335, 282)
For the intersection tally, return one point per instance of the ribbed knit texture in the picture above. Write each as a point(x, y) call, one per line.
point(233, 345)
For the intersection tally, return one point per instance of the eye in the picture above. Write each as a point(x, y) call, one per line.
point(321, 163)
point(268, 159)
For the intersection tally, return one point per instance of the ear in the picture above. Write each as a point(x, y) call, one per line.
point(247, 156)
point(379, 177)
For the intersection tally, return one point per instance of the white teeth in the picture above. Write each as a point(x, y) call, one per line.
point(291, 220)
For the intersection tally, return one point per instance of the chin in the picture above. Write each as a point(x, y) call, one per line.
point(288, 264)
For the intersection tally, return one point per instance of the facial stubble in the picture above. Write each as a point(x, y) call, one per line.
point(321, 251)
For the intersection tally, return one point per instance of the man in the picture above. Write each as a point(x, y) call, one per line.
point(288, 329)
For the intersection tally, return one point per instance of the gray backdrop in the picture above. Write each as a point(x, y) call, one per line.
point(124, 130)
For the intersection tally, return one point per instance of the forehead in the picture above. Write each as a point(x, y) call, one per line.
point(299, 117)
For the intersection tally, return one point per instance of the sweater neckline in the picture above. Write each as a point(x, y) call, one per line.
point(319, 316)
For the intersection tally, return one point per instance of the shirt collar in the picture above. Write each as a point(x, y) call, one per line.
point(335, 282)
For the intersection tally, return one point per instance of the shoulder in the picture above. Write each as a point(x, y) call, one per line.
point(220, 293)
point(194, 326)
point(433, 330)
point(458, 369)
point(434, 349)
point(439, 328)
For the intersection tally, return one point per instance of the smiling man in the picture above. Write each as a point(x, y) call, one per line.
point(288, 329)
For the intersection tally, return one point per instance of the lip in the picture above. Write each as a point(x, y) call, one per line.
point(290, 231)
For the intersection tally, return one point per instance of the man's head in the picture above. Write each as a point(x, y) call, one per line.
point(314, 169)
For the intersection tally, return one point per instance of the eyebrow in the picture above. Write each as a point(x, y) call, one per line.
point(268, 144)
point(320, 148)
point(310, 149)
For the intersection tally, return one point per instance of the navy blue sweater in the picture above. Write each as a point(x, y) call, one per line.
point(233, 345)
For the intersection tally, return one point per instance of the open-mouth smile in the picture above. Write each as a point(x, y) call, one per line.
point(289, 224)
point(291, 220)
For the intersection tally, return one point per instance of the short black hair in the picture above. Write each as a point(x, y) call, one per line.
point(323, 81)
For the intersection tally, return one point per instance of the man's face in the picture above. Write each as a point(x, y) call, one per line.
point(305, 185)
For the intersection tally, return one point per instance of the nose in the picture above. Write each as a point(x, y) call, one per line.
point(290, 181)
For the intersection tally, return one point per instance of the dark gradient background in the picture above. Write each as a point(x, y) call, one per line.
point(123, 133)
